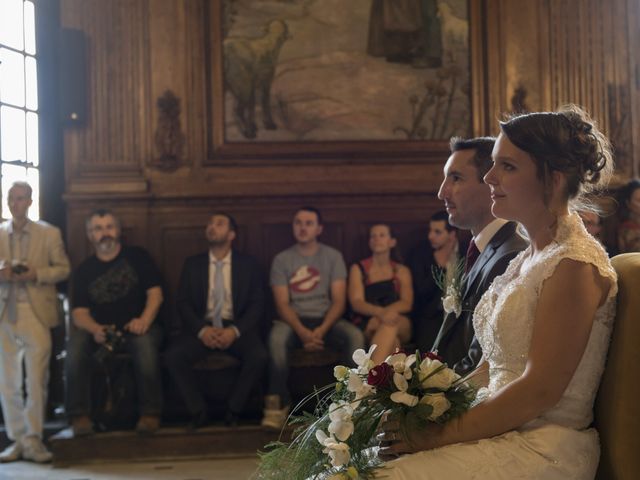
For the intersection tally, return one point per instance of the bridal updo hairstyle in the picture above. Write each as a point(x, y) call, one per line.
point(567, 141)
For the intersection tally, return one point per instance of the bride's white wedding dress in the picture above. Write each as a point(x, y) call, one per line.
point(559, 444)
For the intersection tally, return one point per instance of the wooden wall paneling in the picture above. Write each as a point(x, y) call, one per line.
point(493, 65)
point(633, 41)
point(115, 139)
point(620, 88)
point(515, 53)
point(178, 63)
point(591, 65)
point(570, 40)
point(523, 43)
point(479, 59)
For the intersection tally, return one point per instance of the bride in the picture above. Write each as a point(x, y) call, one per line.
point(544, 325)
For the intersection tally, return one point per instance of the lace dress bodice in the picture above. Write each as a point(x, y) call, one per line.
point(504, 320)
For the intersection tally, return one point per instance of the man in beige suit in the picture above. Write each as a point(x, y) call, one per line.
point(32, 261)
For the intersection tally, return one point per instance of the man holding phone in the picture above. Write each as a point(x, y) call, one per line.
point(32, 261)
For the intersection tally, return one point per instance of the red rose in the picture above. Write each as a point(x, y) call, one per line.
point(380, 375)
point(432, 356)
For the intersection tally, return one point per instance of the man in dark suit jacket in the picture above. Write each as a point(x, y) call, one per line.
point(220, 302)
point(495, 243)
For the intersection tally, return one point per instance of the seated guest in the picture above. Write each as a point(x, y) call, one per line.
point(309, 288)
point(629, 214)
point(380, 293)
point(495, 243)
point(220, 303)
point(441, 252)
point(117, 289)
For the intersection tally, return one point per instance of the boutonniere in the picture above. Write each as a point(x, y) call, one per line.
point(451, 283)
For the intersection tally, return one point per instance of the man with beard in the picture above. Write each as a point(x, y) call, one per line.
point(117, 289)
point(309, 287)
point(441, 253)
point(494, 244)
point(221, 304)
point(32, 261)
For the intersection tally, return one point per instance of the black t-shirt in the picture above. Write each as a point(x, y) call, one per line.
point(116, 291)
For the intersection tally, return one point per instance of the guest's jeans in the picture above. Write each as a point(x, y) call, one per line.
point(79, 366)
point(343, 337)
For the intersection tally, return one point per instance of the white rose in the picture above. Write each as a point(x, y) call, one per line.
point(439, 403)
point(441, 380)
point(427, 367)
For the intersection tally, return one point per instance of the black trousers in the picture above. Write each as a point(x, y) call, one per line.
point(187, 349)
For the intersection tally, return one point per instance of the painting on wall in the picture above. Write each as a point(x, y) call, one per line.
point(334, 76)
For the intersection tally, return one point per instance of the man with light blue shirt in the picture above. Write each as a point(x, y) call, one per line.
point(220, 302)
point(308, 282)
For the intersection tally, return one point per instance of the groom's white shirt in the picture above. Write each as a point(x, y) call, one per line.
point(483, 238)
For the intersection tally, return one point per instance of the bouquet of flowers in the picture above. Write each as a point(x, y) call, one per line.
point(338, 441)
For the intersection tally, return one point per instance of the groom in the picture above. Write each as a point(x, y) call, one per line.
point(495, 242)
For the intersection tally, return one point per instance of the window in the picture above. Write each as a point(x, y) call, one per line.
point(18, 101)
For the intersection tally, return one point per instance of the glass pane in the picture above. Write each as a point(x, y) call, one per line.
point(11, 23)
point(32, 138)
point(33, 177)
point(29, 28)
point(13, 134)
point(32, 83)
point(12, 77)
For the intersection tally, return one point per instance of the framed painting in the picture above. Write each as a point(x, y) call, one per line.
point(329, 79)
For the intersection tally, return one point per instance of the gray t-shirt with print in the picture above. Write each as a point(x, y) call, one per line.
point(308, 278)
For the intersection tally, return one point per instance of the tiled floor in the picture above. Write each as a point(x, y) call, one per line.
point(219, 469)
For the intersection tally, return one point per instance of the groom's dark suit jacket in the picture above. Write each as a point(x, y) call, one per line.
point(458, 344)
point(247, 293)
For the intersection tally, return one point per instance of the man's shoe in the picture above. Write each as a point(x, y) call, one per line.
point(148, 424)
point(81, 426)
point(198, 421)
point(274, 417)
point(12, 453)
point(35, 450)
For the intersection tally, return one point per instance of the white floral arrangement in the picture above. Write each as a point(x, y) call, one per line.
point(451, 283)
point(338, 440)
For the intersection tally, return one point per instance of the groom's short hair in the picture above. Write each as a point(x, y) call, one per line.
point(483, 147)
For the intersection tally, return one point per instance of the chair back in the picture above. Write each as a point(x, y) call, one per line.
point(617, 408)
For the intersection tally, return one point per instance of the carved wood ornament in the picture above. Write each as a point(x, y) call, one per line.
point(169, 138)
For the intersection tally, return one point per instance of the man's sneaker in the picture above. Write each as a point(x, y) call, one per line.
point(12, 453)
point(81, 426)
point(148, 424)
point(274, 416)
point(35, 450)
